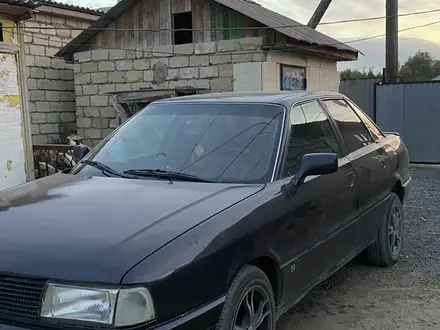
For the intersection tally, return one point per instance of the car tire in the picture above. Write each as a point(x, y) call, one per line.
point(385, 252)
point(249, 285)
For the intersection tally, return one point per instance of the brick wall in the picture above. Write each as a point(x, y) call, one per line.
point(98, 73)
point(49, 79)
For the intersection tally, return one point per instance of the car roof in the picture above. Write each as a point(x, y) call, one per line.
point(280, 97)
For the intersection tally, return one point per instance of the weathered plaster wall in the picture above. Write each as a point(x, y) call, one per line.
point(50, 79)
point(322, 74)
point(12, 151)
point(99, 73)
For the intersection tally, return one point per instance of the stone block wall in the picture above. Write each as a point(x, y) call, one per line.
point(99, 73)
point(50, 81)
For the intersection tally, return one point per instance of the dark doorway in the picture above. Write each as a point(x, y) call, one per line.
point(1, 32)
point(183, 21)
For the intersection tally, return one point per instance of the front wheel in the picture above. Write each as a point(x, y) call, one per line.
point(389, 242)
point(250, 302)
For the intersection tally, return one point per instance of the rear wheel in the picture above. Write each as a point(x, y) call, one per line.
point(250, 302)
point(389, 242)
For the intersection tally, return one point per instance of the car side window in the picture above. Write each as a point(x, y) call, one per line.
point(374, 130)
point(311, 132)
point(354, 132)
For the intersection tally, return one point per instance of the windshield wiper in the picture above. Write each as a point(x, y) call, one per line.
point(165, 174)
point(104, 168)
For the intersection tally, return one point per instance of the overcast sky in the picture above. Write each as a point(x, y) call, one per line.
point(410, 41)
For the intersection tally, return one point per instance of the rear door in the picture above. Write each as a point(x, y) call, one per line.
point(317, 228)
point(370, 163)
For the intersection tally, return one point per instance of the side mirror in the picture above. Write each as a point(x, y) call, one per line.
point(315, 164)
point(80, 151)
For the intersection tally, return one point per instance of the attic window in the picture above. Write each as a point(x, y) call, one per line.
point(183, 21)
point(1, 32)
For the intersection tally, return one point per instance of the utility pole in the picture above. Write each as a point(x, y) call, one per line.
point(392, 41)
point(319, 13)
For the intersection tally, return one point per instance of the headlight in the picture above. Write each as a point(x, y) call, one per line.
point(117, 307)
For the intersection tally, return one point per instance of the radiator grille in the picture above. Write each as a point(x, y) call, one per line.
point(20, 297)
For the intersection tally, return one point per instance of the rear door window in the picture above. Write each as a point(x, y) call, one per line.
point(354, 132)
point(374, 130)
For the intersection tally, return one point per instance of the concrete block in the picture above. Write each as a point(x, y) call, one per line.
point(48, 128)
point(148, 75)
point(90, 89)
point(51, 51)
point(248, 77)
point(242, 58)
point(222, 85)
point(37, 96)
point(202, 60)
point(205, 48)
point(38, 118)
point(52, 74)
point(108, 112)
point(83, 56)
point(173, 74)
point(178, 84)
point(31, 83)
point(251, 43)
point(30, 60)
point(135, 76)
point(186, 49)
point(44, 84)
point(68, 117)
point(35, 129)
point(114, 123)
point(220, 59)
point(89, 67)
point(92, 112)
point(58, 85)
point(37, 50)
point(66, 75)
point(106, 66)
point(124, 65)
point(100, 54)
point(179, 62)
point(99, 101)
point(189, 73)
point(82, 79)
point(117, 54)
point(38, 73)
point(226, 70)
point(84, 122)
point(259, 57)
point(42, 106)
point(83, 101)
point(39, 139)
point(78, 90)
point(228, 45)
point(105, 89)
point(123, 87)
point(77, 68)
point(209, 72)
point(58, 63)
point(100, 123)
point(42, 61)
point(98, 78)
point(53, 117)
point(117, 77)
point(199, 83)
point(141, 64)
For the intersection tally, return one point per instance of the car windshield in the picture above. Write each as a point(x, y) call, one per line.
point(222, 142)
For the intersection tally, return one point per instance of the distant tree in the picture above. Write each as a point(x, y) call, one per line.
point(422, 66)
point(348, 74)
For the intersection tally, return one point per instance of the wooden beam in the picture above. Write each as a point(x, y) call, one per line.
point(119, 109)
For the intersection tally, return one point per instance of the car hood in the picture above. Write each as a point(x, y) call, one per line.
point(95, 229)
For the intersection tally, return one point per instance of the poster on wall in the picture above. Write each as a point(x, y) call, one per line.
point(293, 78)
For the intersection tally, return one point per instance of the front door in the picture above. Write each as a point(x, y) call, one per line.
point(318, 231)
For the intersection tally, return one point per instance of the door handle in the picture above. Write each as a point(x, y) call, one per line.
point(350, 177)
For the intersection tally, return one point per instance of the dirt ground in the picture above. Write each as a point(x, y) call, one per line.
point(406, 296)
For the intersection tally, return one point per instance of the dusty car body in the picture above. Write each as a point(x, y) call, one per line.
point(230, 243)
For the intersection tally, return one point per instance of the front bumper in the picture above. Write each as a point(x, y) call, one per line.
point(202, 318)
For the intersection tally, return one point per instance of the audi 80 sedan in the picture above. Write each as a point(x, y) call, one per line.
point(216, 211)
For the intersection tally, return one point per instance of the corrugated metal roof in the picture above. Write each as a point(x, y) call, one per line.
point(72, 7)
point(32, 4)
point(296, 30)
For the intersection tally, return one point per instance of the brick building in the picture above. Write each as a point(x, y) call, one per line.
point(50, 80)
point(133, 55)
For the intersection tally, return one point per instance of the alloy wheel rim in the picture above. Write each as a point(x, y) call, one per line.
point(395, 231)
point(254, 311)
